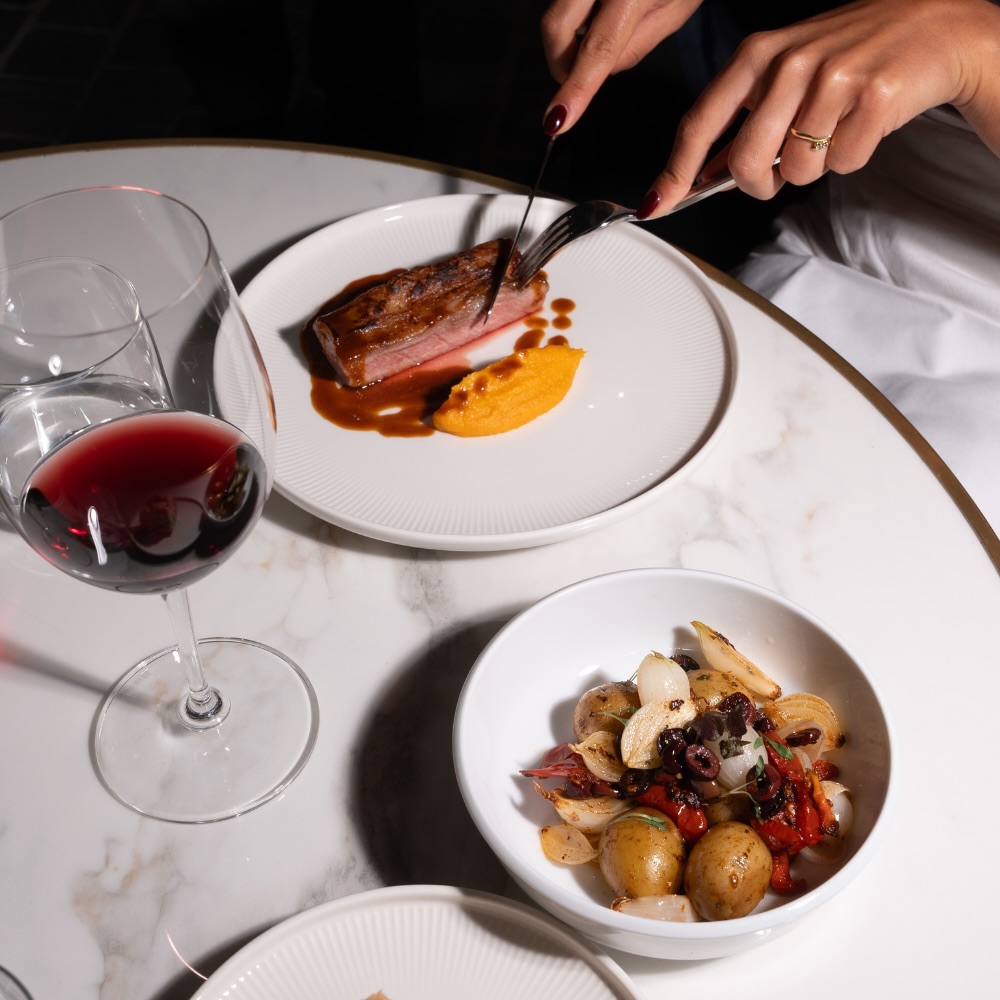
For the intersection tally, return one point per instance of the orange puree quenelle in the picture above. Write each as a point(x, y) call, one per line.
point(510, 392)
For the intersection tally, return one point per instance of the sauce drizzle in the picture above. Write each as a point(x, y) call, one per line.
point(401, 406)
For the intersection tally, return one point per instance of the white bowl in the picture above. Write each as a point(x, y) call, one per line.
point(518, 700)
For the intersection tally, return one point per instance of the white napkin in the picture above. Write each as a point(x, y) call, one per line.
point(897, 267)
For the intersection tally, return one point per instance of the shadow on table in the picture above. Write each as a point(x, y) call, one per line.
point(410, 811)
point(44, 665)
point(409, 807)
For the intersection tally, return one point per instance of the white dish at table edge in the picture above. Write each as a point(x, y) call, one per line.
point(649, 400)
point(418, 942)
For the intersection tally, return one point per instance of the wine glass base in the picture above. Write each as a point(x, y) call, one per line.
point(155, 764)
point(10, 988)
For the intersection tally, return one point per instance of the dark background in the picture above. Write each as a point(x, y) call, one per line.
point(458, 82)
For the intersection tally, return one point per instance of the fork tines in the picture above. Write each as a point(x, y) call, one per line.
point(538, 252)
point(587, 217)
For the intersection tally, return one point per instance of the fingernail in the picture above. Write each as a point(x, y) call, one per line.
point(648, 206)
point(555, 119)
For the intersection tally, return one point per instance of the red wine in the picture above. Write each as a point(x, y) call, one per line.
point(146, 502)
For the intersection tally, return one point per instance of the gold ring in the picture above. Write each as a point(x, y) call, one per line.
point(818, 141)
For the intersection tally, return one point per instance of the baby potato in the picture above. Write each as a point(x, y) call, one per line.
point(600, 709)
point(728, 872)
point(641, 853)
point(728, 808)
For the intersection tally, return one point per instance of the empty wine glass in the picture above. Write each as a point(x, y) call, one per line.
point(137, 438)
point(11, 988)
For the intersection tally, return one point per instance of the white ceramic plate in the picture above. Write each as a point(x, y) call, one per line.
point(418, 943)
point(649, 397)
point(598, 630)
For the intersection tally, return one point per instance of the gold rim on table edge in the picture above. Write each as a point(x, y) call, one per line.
point(973, 515)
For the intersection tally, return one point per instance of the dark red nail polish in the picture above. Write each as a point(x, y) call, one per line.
point(648, 206)
point(555, 119)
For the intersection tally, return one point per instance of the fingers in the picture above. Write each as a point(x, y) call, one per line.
point(561, 22)
point(842, 80)
point(787, 117)
point(749, 158)
point(827, 123)
point(587, 42)
point(600, 45)
point(828, 78)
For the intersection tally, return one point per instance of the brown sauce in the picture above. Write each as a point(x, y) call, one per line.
point(534, 338)
point(562, 308)
point(401, 406)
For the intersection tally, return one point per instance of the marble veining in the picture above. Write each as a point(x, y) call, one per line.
point(810, 492)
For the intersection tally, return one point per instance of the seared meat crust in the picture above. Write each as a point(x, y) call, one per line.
point(422, 313)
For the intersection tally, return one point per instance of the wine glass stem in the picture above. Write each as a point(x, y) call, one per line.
point(202, 706)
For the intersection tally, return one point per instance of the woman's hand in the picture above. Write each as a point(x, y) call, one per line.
point(586, 42)
point(854, 74)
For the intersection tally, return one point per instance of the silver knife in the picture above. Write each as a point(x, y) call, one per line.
point(501, 271)
point(503, 261)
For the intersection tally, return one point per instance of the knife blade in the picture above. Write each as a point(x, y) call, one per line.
point(498, 277)
point(504, 260)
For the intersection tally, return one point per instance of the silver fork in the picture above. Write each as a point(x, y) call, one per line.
point(587, 217)
point(592, 216)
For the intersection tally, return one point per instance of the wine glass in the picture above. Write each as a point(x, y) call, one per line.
point(137, 435)
point(11, 988)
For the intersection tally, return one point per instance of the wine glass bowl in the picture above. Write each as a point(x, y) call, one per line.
point(74, 348)
point(185, 489)
point(137, 441)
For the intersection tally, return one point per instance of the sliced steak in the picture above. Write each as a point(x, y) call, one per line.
point(421, 314)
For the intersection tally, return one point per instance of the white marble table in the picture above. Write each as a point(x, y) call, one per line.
point(817, 490)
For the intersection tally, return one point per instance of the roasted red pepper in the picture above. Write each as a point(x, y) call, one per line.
point(564, 762)
point(778, 834)
point(805, 816)
point(558, 762)
point(690, 820)
point(781, 876)
point(825, 769)
point(828, 822)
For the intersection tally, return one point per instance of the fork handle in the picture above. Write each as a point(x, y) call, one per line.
point(705, 190)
